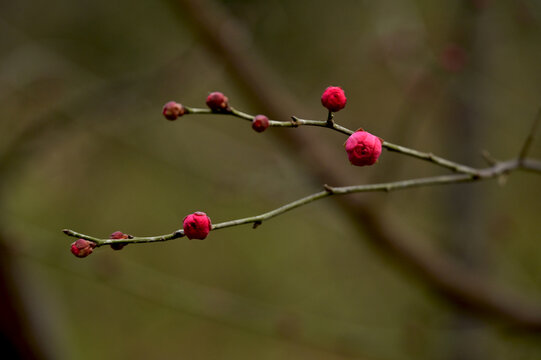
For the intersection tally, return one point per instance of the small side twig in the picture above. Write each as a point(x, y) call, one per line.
point(530, 138)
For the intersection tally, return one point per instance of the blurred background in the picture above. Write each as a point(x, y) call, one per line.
point(83, 145)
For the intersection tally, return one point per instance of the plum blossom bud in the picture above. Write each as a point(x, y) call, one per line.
point(172, 110)
point(334, 98)
point(82, 248)
point(363, 148)
point(197, 225)
point(217, 102)
point(117, 235)
point(260, 123)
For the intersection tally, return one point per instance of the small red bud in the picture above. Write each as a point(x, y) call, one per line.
point(172, 110)
point(197, 225)
point(363, 148)
point(218, 102)
point(260, 123)
point(334, 98)
point(117, 235)
point(82, 248)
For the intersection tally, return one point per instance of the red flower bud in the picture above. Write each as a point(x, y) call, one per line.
point(173, 110)
point(363, 148)
point(334, 98)
point(117, 235)
point(197, 225)
point(218, 102)
point(260, 123)
point(82, 248)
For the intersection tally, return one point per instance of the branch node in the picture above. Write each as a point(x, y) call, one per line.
point(295, 121)
point(328, 189)
point(330, 117)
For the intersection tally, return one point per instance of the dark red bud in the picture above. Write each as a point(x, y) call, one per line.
point(218, 102)
point(117, 235)
point(172, 110)
point(82, 248)
point(260, 123)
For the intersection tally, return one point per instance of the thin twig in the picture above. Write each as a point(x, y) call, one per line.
point(331, 124)
point(134, 240)
point(481, 174)
point(531, 136)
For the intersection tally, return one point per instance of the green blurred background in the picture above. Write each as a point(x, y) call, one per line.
point(84, 146)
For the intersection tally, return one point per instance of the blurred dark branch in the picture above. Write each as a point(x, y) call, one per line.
point(17, 338)
point(448, 278)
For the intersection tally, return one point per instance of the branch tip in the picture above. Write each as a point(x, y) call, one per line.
point(530, 138)
point(490, 160)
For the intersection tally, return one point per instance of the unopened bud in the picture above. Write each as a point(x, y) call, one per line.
point(334, 98)
point(172, 110)
point(363, 148)
point(117, 235)
point(82, 248)
point(260, 123)
point(217, 102)
point(197, 225)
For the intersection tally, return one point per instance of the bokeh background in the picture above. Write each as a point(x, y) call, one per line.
point(84, 146)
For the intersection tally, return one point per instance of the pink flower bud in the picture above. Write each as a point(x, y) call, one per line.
point(334, 98)
point(173, 110)
point(218, 102)
point(197, 225)
point(260, 123)
point(363, 148)
point(82, 248)
point(117, 235)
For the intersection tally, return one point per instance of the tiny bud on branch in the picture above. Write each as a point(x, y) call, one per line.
point(334, 99)
point(218, 102)
point(172, 110)
point(82, 248)
point(260, 123)
point(197, 225)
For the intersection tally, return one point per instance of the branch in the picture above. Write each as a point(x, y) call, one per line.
point(530, 138)
point(260, 84)
point(481, 174)
point(296, 122)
